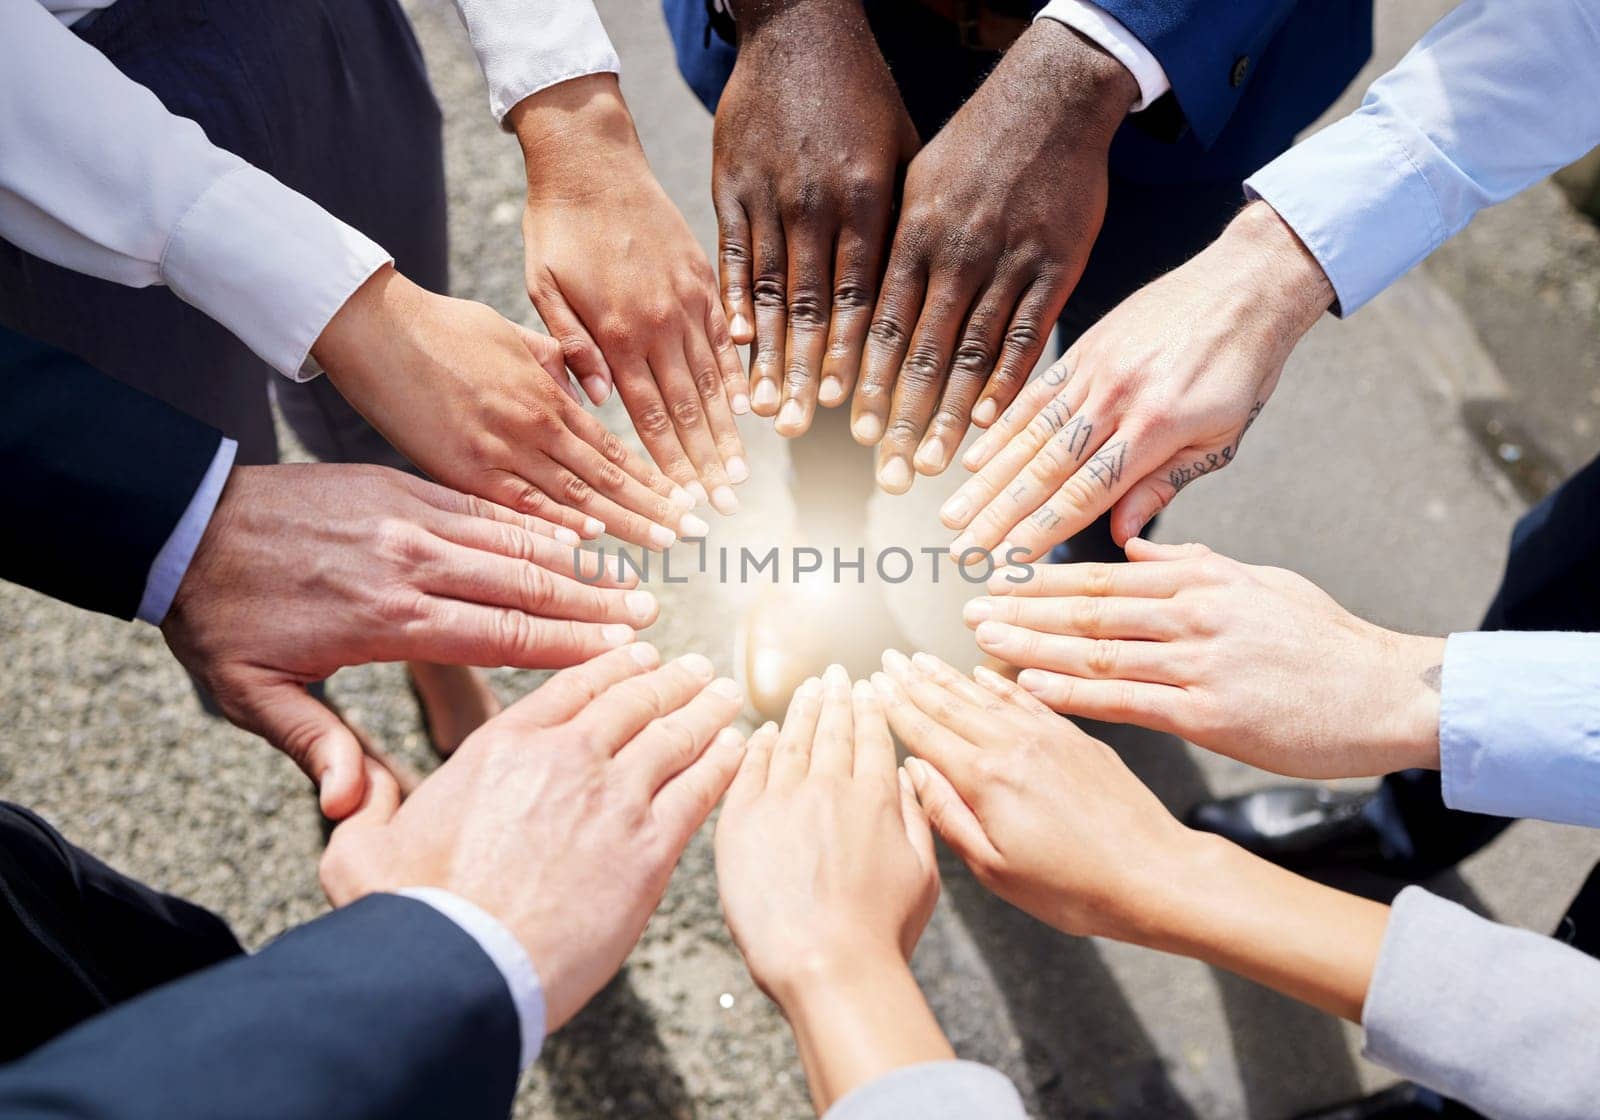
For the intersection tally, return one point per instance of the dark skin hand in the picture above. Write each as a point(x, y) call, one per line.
point(811, 137)
point(996, 222)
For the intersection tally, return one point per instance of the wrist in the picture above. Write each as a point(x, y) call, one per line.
point(812, 974)
point(1406, 731)
point(755, 18)
point(1086, 88)
point(359, 341)
point(582, 122)
point(1284, 276)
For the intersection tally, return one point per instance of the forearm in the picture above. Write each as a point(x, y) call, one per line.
point(1236, 911)
point(856, 1018)
point(583, 120)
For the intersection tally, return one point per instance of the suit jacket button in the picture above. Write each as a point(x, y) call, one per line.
point(1241, 67)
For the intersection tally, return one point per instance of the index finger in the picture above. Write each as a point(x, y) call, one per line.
point(571, 690)
point(949, 752)
point(1143, 580)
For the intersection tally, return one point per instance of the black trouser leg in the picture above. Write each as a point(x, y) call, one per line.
point(77, 937)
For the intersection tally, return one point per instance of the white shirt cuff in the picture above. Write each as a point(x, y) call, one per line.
point(1107, 32)
point(269, 264)
point(167, 572)
point(524, 46)
point(508, 956)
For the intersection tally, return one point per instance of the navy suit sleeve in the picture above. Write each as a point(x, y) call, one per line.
point(384, 1010)
point(1209, 50)
point(97, 476)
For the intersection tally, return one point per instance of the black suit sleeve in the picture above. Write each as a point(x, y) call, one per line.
point(384, 1010)
point(96, 475)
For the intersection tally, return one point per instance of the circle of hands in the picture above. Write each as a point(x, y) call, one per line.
point(925, 309)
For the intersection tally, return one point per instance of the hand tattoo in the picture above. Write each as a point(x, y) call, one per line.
point(1107, 464)
point(1433, 677)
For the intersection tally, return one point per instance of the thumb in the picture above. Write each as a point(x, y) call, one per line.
point(1138, 507)
point(547, 352)
point(575, 348)
point(380, 800)
point(951, 817)
point(320, 743)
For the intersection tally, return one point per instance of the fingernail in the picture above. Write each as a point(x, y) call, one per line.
point(739, 325)
point(809, 688)
point(925, 662)
point(724, 686)
point(896, 662)
point(987, 676)
point(724, 501)
point(567, 536)
point(974, 454)
point(766, 395)
point(593, 526)
point(831, 390)
point(895, 476)
point(692, 526)
point(597, 387)
point(992, 634)
point(738, 470)
point(640, 604)
point(906, 785)
point(617, 634)
point(917, 769)
point(867, 428)
point(790, 416)
point(645, 654)
point(977, 610)
point(985, 411)
point(837, 680)
point(862, 691)
point(884, 685)
point(1031, 679)
point(661, 536)
point(956, 508)
point(728, 739)
point(697, 491)
point(961, 544)
point(681, 498)
point(698, 664)
point(740, 403)
point(930, 456)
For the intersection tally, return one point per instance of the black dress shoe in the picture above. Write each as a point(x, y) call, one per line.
point(1404, 1101)
point(1295, 826)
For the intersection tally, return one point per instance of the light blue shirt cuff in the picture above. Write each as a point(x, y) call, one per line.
point(1519, 725)
point(167, 572)
point(508, 955)
point(1359, 204)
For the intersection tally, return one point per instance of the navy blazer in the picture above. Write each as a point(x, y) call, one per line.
point(1247, 75)
point(97, 476)
point(383, 1010)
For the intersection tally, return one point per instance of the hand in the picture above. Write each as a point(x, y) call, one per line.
point(811, 137)
point(998, 216)
point(1054, 822)
point(621, 282)
point(483, 406)
point(826, 869)
point(306, 569)
point(1047, 818)
point(1254, 663)
point(1153, 396)
point(563, 816)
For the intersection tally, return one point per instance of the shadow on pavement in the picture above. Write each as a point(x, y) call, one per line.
point(610, 1061)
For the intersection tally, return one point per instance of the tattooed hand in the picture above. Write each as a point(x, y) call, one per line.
point(1255, 663)
point(1153, 396)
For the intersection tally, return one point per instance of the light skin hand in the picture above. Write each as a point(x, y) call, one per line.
point(826, 870)
point(562, 817)
point(484, 406)
point(996, 222)
point(1054, 822)
point(1155, 395)
point(620, 281)
point(1253, 662)
point(306, 569)
point(804, 182)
